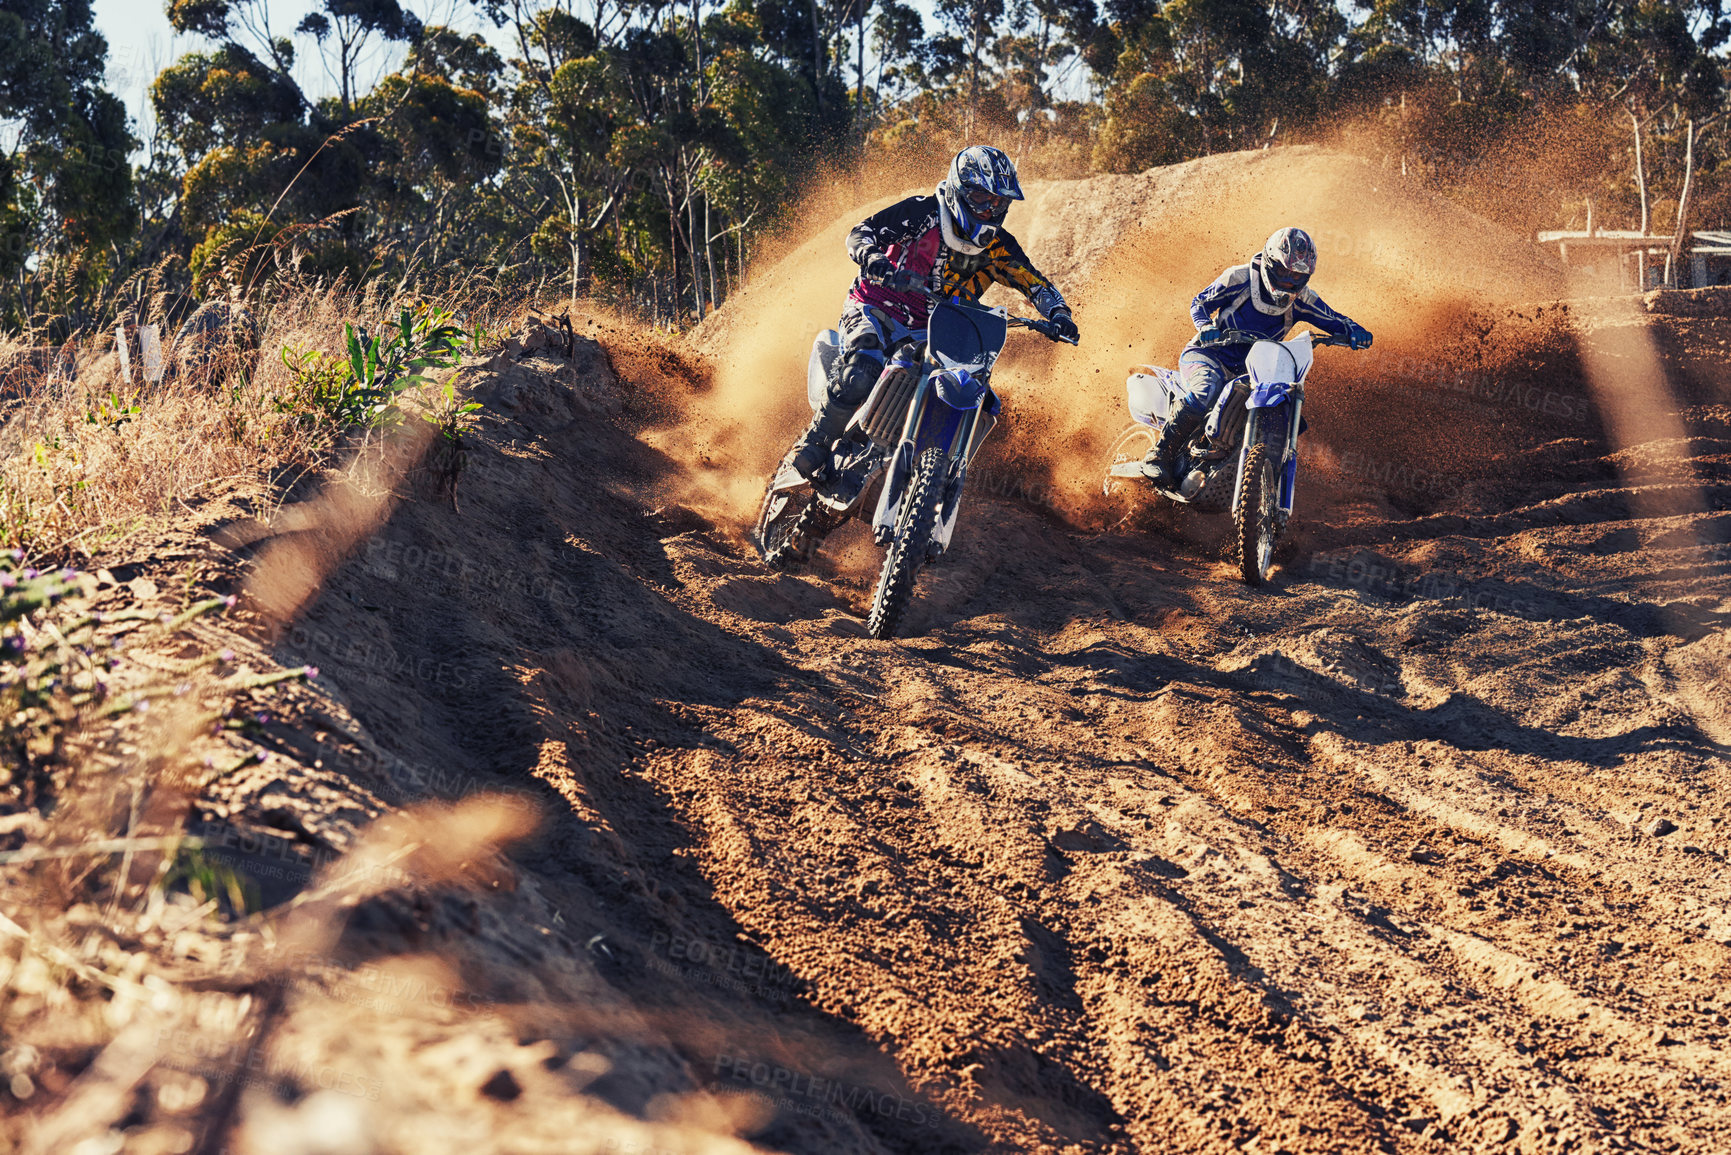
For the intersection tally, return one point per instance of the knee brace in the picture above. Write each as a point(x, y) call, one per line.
point(855, 373)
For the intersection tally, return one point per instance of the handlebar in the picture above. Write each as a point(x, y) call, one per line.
point(1044, 328)
point(1239, 337)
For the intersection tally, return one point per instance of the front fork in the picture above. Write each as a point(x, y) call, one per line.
point(931, 421)
point(1281, 422)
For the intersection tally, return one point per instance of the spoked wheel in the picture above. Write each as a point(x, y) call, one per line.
point(1258, 519)
point(1131, 445)
point(915, 526)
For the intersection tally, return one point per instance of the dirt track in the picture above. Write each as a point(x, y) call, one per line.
point(1113, 855)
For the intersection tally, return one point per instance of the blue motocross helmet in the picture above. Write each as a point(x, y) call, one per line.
point(977, 192)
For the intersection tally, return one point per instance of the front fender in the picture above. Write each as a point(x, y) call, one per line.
point(1269, 394)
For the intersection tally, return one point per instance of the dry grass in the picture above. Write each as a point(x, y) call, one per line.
point(87, 461)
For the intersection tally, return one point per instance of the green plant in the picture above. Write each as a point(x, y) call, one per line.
point(361, 390)
point(423, 338)
point(206, 881)
point(451, 416)
point(112, 411)
point(324, 388)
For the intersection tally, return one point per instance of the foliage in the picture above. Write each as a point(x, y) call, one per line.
point(66, 184)
point(450, 415)
point(636, 152)
point(360, 388)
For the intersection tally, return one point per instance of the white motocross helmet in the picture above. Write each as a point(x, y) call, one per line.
point(976, 195)
point(1287, 262)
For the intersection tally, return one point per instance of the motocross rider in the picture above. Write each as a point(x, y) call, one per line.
point(1257, 301)
point(951, 244)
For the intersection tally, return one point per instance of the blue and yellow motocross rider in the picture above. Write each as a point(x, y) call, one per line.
point(951, 244)
point(1258, 301)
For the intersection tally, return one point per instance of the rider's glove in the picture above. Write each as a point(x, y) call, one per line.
point(1357, 336)
point(1064, 327)
point(904, 281)
point(1207, 336)
point(878, 268)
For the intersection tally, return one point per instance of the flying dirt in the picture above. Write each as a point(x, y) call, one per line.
point(1421, 846)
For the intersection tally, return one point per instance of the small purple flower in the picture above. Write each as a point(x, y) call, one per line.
point(227, 655)
point(142, 705)
point(31, 573)
point(261, 756)
point(165, 617)
point(228, 602)
point(262, 718)
point(311, 672)
point(7, 581)
point(209, 761)
point(68, 574)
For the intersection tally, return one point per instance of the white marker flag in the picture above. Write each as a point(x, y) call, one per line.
point(151, 347)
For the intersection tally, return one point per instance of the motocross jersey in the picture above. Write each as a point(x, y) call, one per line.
point(910, 234)
point(1235, 301)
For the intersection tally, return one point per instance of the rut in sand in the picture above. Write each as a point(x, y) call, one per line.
point(1423, 845)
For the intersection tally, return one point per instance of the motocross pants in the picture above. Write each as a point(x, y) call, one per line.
point(869, 336)
point(1204, 376)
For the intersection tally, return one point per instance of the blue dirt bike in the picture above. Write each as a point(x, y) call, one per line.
point(1244, 457)
point(903, 460)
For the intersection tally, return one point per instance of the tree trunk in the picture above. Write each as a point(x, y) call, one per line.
point(816, 58)
point(673, 250)
point(697, 43)
point(1641, 185)
point(1640, 173)
point(577, 246)
point(1674, 264)
point(691, 249)
point(976, 9)
point(709, 255)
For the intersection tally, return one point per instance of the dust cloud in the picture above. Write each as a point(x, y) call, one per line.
point(1129, 252)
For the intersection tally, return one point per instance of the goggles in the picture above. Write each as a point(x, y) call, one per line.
point(984, 203)
point(1286, 280)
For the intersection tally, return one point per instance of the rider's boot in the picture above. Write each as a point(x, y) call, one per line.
point(1158, 466)
point(812, 449)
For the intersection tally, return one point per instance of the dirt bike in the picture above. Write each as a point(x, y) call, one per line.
point(1244, 458)
point(904, 458)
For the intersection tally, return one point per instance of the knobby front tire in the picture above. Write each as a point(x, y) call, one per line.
point(1257, 521)
point(917, 523)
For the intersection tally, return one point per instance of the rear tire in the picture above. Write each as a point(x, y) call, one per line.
point(915, 527)
point(1258, 519)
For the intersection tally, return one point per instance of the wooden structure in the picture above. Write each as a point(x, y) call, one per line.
point(1637, 263)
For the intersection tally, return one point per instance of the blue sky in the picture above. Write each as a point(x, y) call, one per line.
point(141, 44)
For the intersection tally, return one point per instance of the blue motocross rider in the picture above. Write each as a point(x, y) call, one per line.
point(1261, 300)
